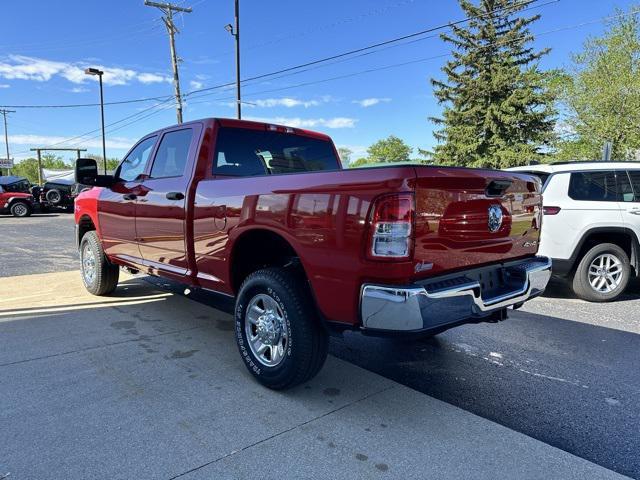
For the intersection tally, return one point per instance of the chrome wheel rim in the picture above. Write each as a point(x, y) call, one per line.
point(88, 265)
point(266, 331)
point(54, 197)
point(605, 273)
point(20, 210)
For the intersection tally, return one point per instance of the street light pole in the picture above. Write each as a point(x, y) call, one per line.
point(235, 31)
point(99, 73)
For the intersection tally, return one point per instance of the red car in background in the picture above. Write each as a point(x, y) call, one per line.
point(15, 198)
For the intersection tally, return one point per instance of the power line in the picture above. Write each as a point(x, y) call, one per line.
point(410, 62)
point(526, 3)
point(168, 9)
point(353, 74)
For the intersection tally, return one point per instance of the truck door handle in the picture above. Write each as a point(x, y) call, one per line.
point(175, 196)
point(635, 212)
point(129, 196)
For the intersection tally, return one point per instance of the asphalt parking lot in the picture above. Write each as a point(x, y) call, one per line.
point(561, 371)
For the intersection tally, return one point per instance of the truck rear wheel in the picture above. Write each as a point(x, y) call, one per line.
point(278, 331)
point(602, 274)
point(100, 277)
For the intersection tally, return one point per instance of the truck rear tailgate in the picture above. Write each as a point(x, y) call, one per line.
point(468, 217)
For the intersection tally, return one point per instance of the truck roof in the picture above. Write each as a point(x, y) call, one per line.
point(573, 166)
point(254, 125)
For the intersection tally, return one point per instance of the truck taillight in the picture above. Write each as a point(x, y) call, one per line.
point(392, 226)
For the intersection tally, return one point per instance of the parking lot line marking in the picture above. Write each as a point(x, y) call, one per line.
point(30, 311)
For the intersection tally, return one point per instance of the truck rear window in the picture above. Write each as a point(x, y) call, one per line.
point(242, 153)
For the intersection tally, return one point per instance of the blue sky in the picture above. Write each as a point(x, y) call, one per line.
point(44, 48)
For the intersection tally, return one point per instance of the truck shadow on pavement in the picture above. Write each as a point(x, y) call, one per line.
point(570, 384)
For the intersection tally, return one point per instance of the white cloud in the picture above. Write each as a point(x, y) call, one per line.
point(152, 78)
point(370, 102)
point(21, 67)
point(196, 85)
point(286, 102)
point(336, 122)
point(4, 85)
point(79, 90)
point(45, 140)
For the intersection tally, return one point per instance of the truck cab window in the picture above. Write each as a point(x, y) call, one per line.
point(134, 163)
point(171, 157)
point(243, 152)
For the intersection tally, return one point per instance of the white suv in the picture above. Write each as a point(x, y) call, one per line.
point(591, 224)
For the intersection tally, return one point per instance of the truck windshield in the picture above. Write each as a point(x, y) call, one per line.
point(242, 152)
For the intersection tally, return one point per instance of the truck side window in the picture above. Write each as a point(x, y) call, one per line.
point(133, 165)
point(171, 157)
point(243, 152)
point(594, 186)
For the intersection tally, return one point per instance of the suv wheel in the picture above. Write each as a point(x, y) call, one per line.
point(20, 209)
point(278, 331)
point(100, 277)
point(602, 274)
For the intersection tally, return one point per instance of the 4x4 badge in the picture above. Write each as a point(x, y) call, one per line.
point(495, 218)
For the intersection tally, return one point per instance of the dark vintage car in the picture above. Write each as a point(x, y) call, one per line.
point(58, 194)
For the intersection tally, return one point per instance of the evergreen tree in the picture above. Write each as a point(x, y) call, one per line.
point(497, 111)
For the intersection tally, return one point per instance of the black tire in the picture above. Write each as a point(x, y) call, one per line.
point(21, 209)
point(54, 196)
point(581, 283)
point(105, 276)
point(308, 341)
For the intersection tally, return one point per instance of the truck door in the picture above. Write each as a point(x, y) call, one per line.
point(161, 209)
point(117, 205)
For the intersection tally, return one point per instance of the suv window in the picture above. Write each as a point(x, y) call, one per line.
point(634, 175)
point(20, 186)
point(595, 186)
point(242, 152)
point(133, 165)
point(171, 157)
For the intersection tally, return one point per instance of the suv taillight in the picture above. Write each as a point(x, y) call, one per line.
point(392, 226)
point(551, 210)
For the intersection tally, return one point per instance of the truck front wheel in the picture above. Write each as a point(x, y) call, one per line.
point(278, 332)
point(100, 277)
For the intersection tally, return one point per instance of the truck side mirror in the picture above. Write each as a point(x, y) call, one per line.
point(86, 173)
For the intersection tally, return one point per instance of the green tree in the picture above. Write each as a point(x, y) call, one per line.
point(29, 166)
point(600, 94)
point(359, 162)
point(112, 163)
point(497, 109)
point(389, 150)
point(345, 155)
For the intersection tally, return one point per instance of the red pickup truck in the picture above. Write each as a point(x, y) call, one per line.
point(266, 215)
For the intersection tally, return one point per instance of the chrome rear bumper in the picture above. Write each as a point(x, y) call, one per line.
point(453, 299)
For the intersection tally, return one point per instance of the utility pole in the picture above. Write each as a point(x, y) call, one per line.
point(168, 9)
point(6, 135)
point(235, 31)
